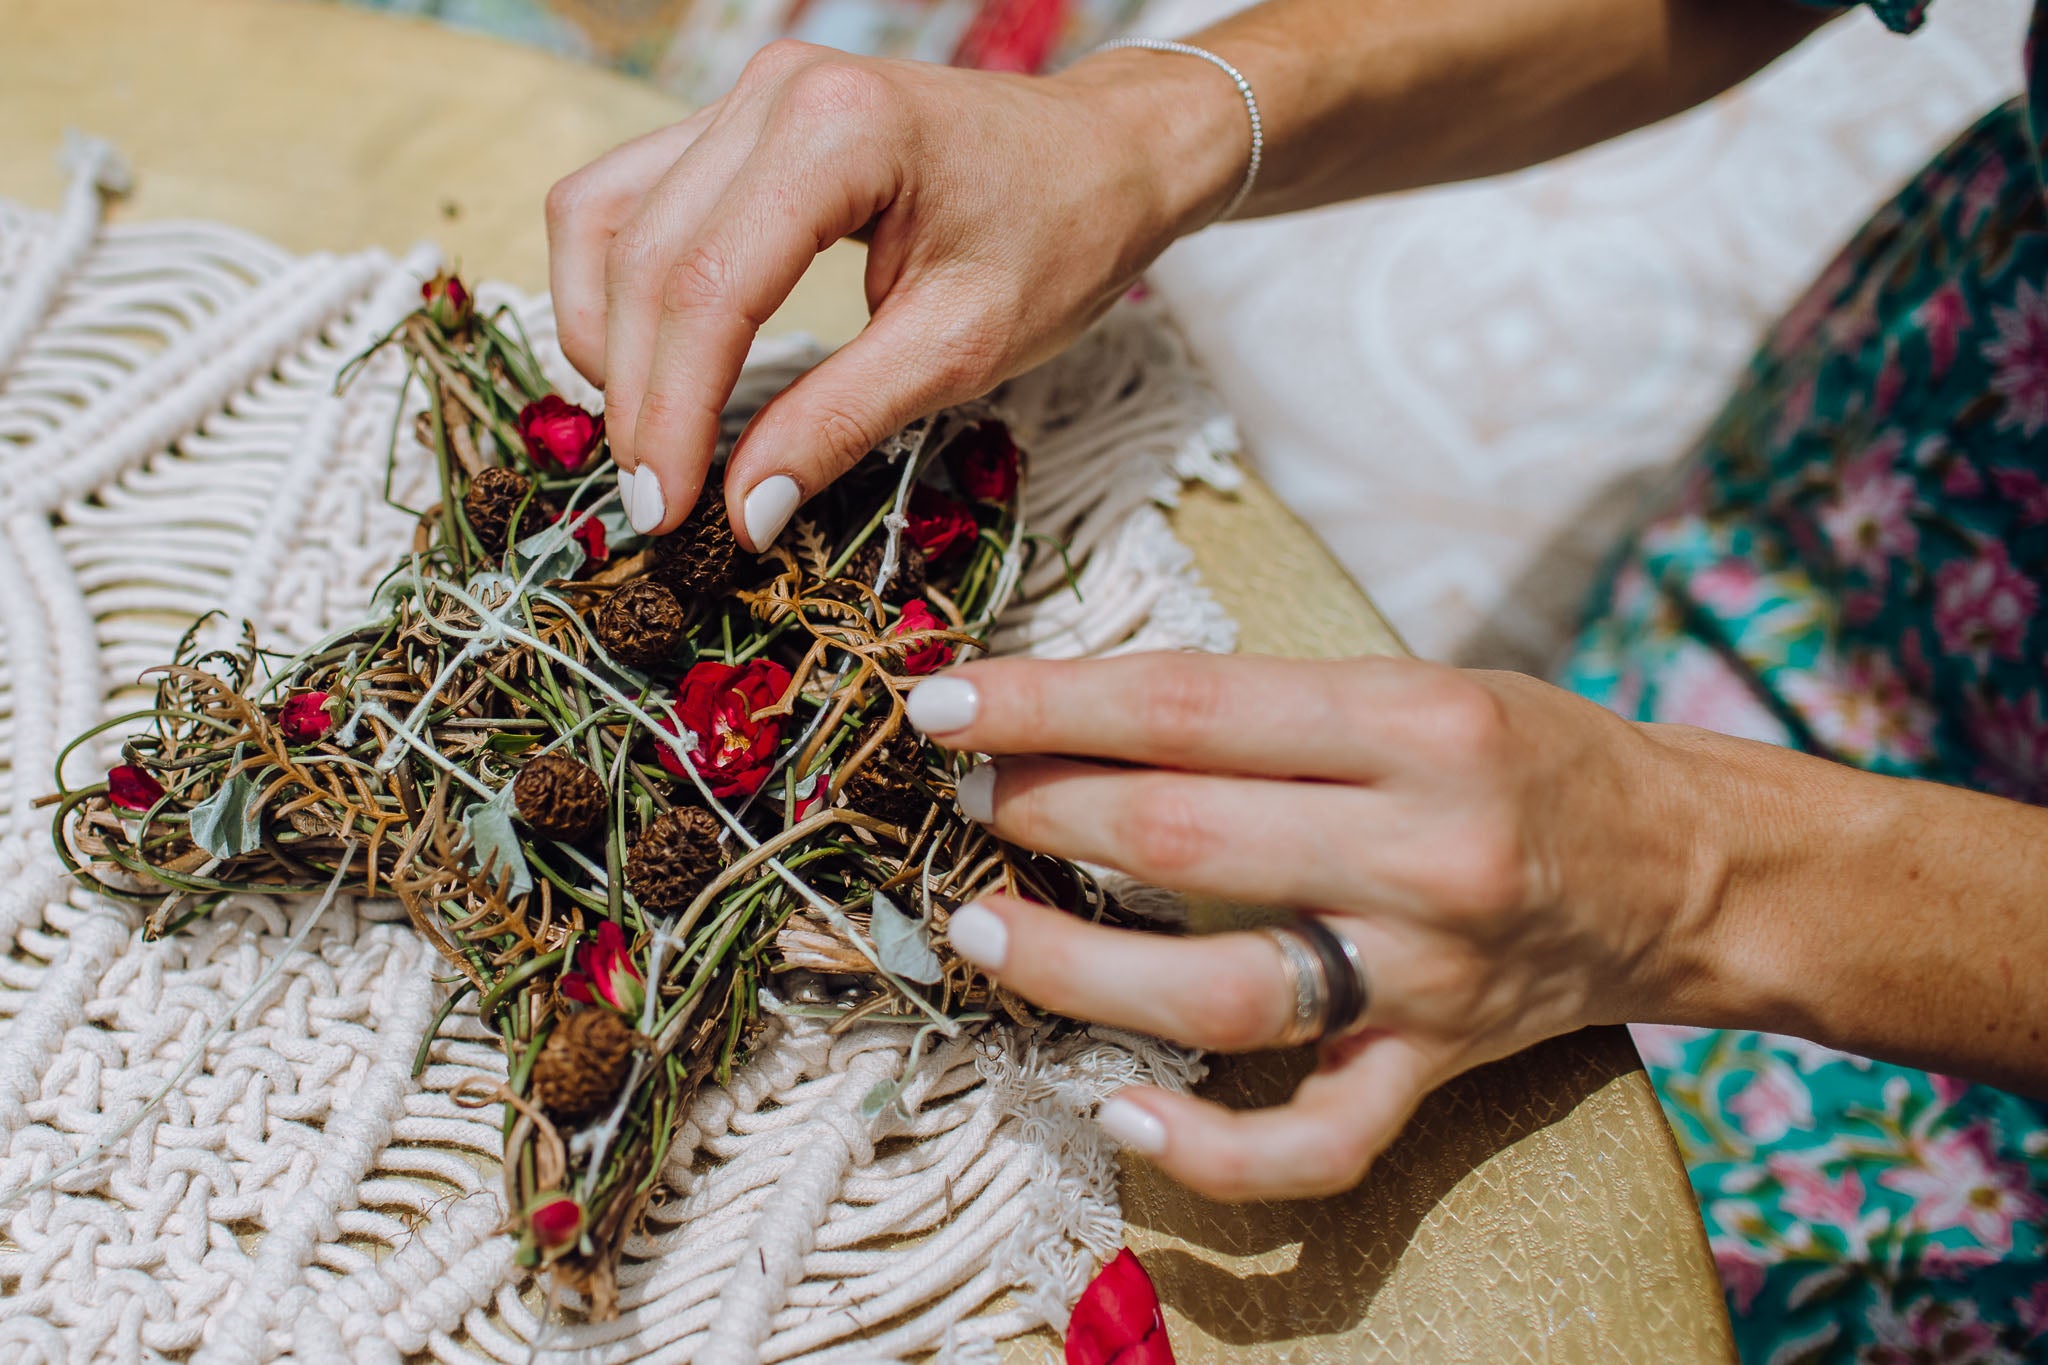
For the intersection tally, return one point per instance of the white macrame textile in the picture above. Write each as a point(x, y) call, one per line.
point(212, 1148)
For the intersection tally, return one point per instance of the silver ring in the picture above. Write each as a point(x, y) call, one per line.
point(1330, 986)
point(1305, 976)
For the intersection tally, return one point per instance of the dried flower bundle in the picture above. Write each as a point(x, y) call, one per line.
point(634, 791)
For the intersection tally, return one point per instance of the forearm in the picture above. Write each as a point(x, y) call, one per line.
point(1364, 96)
point(1893, 919)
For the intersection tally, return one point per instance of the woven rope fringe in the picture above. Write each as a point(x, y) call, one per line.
point(171, 443)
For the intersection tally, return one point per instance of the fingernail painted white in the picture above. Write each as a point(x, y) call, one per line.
point(1135, 1128)
point(940, 706)
point(768, 509)
point(977, 794)
point(647, 506)
point(978, 934)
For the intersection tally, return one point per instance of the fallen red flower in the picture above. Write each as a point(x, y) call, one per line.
point(1117, 1321)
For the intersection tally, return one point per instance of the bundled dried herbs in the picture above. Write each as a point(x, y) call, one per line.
point(629, 788)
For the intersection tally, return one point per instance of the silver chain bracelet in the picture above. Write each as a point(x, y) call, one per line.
point(1244, 88)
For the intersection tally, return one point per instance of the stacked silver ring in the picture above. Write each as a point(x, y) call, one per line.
point(1330, 988)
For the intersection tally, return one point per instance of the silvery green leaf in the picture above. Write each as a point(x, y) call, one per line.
point(494, 843)
point(223, 824)
point(879, 1097)
point(553, 549)
point(902, 943)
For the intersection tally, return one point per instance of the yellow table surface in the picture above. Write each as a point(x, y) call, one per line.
point(1535, 1210)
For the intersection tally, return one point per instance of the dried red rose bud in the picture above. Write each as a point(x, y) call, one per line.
point(718, 703)
point(984, 462)
point(447, 302)
point(940, 524)
point(556, 1221)
point(305, 718)
point(131, 788)
point(605, 972)
point(556, 431)
point(931, 655)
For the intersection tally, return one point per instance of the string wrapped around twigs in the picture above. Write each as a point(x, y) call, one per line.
point(633, 790)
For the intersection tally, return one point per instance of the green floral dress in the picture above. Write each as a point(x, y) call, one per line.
point(1856, 564)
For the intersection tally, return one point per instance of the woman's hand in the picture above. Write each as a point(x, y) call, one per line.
point(1005, 213)
point(1512, 862)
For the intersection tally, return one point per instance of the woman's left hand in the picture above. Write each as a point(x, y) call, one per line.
point(1511, 862)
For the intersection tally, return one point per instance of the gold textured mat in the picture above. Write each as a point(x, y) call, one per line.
point(1535, 1210)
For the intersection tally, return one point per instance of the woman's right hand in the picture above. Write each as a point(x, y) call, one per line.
point(1005, 214)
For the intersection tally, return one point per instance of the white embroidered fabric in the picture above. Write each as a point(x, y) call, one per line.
point(1471, 392)
point(244, 1168)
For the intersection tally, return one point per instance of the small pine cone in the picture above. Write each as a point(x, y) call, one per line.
point(640, 624)
point(905, 585)
point(493, 495)
point(560, 797)
point(583, 1063)
point(890, 785)
point(700, 556)
point(674, 858)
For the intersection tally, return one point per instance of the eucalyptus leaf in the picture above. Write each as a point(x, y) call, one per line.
point(879, 1097)
point(494, 843)
point(553, 549)
point(903, 944)
point(224, 823)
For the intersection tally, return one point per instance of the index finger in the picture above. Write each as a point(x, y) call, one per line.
point(1340, 720)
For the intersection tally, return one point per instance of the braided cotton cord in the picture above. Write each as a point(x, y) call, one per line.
point(1244, 90)
point(171, 442)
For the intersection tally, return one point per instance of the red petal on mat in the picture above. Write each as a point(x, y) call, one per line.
point(1117, 1321)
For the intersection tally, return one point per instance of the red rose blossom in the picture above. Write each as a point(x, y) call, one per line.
point(984, 462)
point(448, 303)
point(1117, 1321)
point(605, 971)
point(718, 702)
point(589, 533)
point(556, 1220)
point(304, 718)
point(130, 788)
point(932, 655)
point(557, 431)
point(939, 523)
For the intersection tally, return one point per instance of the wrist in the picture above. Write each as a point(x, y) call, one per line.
point(1776, 841)
point(1179, 127)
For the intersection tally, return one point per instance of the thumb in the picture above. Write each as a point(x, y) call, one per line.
point(906, 363)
